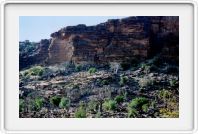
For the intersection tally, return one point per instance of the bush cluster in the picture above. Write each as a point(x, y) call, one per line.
point(109, 105)
point(21, 105)
point(104, 82)
point(39, 103)
point(92, 70)
point(64, 103)
point(78, 68)
point(136, 105)
point(123, 80)
point(35, 71)
point(55, 100)
point(119, 99)
point(138, 102)
point(92, 106)
point(80, 112)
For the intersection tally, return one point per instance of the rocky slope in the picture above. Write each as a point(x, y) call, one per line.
point(119, 40)
point(127, 68)
point(148, 90)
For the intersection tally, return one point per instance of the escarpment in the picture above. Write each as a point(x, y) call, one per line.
point(117, 40)
point(33, 53)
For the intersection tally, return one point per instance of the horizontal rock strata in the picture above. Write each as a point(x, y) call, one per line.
point(117, 40)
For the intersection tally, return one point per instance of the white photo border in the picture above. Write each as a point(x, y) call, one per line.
point(195, 53)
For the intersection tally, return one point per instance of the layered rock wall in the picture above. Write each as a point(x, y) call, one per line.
point(116, 40)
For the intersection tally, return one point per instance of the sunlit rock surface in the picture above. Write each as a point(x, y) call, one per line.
point(117, 40)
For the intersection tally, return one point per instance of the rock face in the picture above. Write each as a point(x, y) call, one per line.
point(38, 56)
point(117, 40)
point(164, 38)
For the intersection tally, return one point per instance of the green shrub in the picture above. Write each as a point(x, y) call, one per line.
point(25, 73)
point(80, 112)
point(38, 103)
point(125, 95)
point(31, 105)
point(21, 105)
point(92, 105)
point(109, 105)
point(104, 82)
point(119, 98)
point(98, 115)
point(132, 112)
point(123, 80)
point(138, 102)
point(64, 103)
point(145, 67)
point(36, 71)
point(55, 100)
point(153, 104)
point(173, 83)
point(164, 94)
point(145, 82)
point(92, 70)
point(78, 68)
point(145, 107)
point(166, 113)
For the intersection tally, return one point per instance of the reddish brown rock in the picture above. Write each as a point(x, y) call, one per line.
point(115, 40)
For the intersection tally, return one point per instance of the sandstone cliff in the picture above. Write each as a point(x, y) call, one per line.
point(115, 40)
